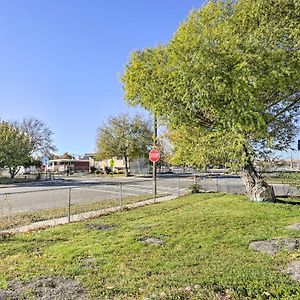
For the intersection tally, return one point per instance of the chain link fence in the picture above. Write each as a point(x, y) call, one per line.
point(25, 205)
point(220, 183)
point(232, 184)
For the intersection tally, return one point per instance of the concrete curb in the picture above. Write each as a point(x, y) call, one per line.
point(83, 216)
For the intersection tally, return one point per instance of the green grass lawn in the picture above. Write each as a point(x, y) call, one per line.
point(205, 254)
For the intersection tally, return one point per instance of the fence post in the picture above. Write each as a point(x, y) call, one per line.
point(195, 178)
point(178, 187)
point(121, 196)
point(69, 205)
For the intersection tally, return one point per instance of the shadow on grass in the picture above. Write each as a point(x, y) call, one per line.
point(288, 200)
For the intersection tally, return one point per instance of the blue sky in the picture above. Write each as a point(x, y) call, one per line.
point(60, 60)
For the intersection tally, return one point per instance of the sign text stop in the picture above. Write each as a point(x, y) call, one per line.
point(154, 155)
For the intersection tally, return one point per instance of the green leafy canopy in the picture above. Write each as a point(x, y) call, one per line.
point(15, 148)
point(228, 82)
point(124, 137)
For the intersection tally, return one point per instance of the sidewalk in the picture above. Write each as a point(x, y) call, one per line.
point(83, 216)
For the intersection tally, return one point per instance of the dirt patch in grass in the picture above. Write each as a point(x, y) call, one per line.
point(88, 262)
point(101, 227)
point(294, 226)
point(293, 270)
point(46, 288)
point(271, 247)
point(151, 240)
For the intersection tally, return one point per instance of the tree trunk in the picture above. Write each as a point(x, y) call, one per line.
point(12, 175)
point(257, 189)
point(126, 166)
point(12, 172)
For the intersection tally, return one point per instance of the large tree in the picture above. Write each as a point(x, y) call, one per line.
point(124, 137)
point(227, 84)
point(15, 148)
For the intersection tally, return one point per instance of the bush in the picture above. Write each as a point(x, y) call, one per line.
point(93, 169)
point(107, 170)
point(195, 188)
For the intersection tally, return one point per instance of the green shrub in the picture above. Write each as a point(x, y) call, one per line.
point(196, 188)
point(93, 169)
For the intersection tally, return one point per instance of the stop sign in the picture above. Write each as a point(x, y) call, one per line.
point(154, 155)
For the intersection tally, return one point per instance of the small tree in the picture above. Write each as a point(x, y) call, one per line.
point(124, 137)
point(15, 148)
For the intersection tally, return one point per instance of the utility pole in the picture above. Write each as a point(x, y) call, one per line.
point(154, 162)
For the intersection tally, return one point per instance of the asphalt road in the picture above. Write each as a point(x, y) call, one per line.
point(43, 195)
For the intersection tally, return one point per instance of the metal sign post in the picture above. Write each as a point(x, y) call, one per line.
point(154, 162)
point(154, 156)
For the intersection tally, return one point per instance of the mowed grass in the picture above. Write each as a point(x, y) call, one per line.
point(205, 254)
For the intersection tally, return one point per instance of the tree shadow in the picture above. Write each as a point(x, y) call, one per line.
point(288, 200)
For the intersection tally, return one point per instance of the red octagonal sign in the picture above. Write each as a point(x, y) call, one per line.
point(154, 155)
